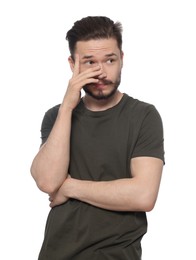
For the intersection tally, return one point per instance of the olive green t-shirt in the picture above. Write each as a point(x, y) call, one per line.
point(102, 144)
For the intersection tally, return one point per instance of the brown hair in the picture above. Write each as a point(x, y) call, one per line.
point(94, 27)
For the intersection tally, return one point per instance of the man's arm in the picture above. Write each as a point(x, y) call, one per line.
point(138, 193)
point(50, 166)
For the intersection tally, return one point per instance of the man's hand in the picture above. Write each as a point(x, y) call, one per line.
point(78, 81)
point(59, 197)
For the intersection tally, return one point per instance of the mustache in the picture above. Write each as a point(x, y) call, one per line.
point(105, 81)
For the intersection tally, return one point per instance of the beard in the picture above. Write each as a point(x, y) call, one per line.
point(100, 95)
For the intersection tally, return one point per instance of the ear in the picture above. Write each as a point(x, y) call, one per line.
point(71, 63)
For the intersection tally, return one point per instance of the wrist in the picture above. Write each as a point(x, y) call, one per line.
point(71, 188)
point(76, 189)
point(65, 108)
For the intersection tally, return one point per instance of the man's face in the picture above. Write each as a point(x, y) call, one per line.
point(106, 54)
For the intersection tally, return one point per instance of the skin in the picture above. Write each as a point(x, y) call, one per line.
point(97, 69)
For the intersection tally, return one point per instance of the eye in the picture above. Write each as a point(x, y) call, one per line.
point(110, 61)
point(89, 62)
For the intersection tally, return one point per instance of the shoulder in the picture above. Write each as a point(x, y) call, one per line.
point(50, 117)
point(148, 129)
point(138, 108)
point(52, 112)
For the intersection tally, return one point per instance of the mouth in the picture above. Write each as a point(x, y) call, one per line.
point(102, 84)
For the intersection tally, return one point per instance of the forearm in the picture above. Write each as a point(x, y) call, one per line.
point(119, 195)
point(50, 165)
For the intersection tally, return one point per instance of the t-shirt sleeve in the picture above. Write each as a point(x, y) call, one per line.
point(47, 123)
point(150, 139)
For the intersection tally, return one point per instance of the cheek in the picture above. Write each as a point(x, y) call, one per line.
point(114, 73)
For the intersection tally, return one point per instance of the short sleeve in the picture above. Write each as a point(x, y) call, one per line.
point(150, 139)
point(48, 122)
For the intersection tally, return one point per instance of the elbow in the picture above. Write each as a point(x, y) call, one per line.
point(46, 187)
point(44, 184)
point(149, 206)
point(147, 203)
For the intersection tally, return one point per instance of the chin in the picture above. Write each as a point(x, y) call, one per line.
point(100, 95)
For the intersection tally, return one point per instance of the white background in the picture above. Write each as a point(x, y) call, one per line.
point(159, 67)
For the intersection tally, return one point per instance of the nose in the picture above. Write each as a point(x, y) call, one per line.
point(103, 74)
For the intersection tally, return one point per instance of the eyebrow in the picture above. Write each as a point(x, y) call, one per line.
point(91, 56)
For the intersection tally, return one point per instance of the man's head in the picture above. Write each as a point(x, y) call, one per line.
point(97, 41)
point(94, 28)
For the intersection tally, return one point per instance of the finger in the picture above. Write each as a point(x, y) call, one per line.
point(52, 203)
point(91, 73)
point(76, 69)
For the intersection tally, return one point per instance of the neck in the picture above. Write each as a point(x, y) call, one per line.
point(103, 104)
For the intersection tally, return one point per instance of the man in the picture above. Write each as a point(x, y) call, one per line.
point(101, 157)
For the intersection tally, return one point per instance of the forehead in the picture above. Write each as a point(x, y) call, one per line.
point(99, 47)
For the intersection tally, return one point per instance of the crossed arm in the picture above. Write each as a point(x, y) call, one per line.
point(50, 166)
point(138, 193)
